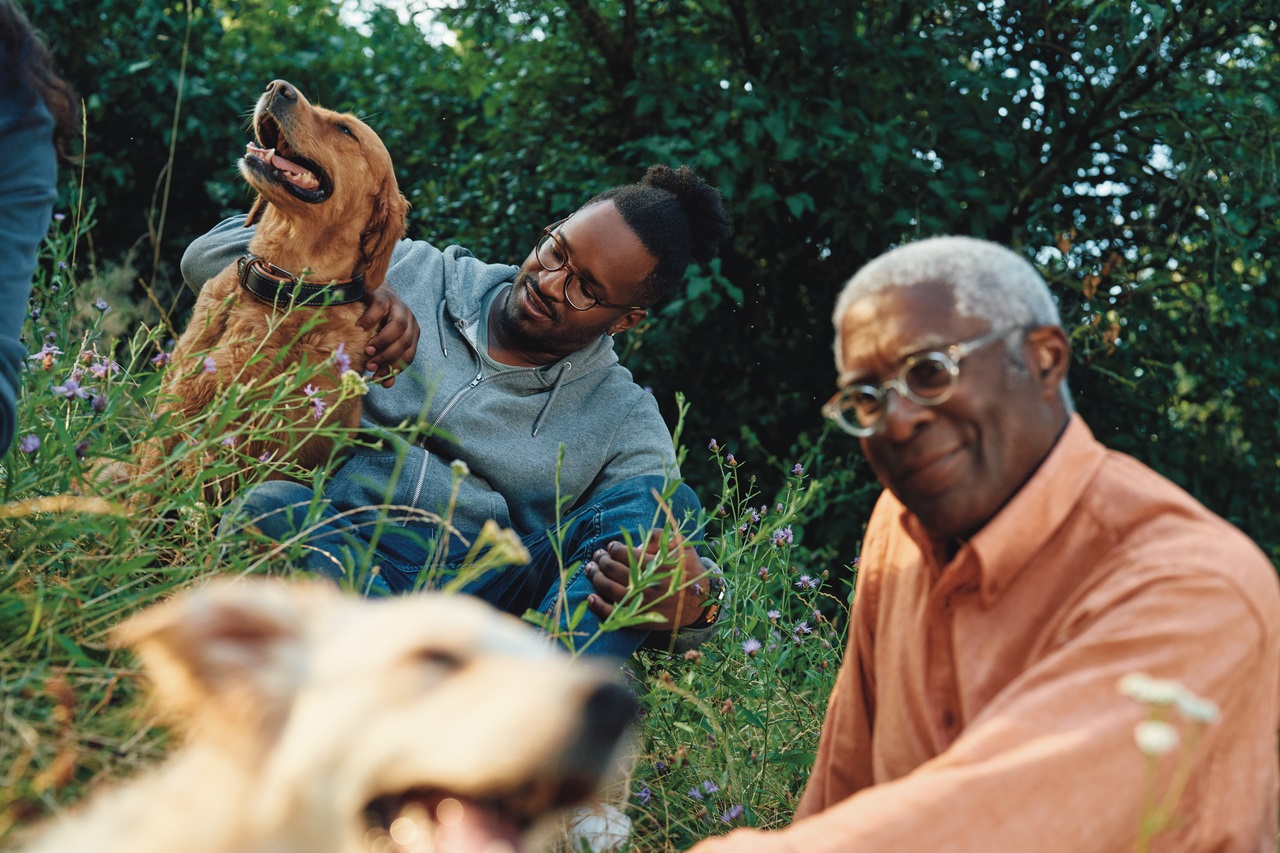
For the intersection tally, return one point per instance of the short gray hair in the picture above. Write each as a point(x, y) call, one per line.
point(988, 281)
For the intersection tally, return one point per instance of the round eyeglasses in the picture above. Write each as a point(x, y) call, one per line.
point(579, 291)
point(926, 379)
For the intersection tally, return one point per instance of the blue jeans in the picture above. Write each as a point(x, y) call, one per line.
point(320, 538)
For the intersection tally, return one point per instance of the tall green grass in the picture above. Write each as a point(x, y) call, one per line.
point(727, 733)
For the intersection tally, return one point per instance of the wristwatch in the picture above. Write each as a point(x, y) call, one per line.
point(711, 612)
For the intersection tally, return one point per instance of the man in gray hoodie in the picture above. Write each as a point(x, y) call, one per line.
point(533, 422)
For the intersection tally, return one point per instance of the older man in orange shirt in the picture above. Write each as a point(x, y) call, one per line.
point(1013, 573)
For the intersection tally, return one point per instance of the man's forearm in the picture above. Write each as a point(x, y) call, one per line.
point(211, 253)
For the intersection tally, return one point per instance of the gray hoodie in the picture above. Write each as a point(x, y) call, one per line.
point(506, 424)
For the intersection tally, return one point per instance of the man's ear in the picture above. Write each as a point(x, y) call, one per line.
point(1050, 355)
point(627, 320)
point(230, 654)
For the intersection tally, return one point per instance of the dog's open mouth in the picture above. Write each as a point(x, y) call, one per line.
point(453, 823)
point(275, 160)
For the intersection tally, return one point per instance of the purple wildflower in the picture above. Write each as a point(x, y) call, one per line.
point(801, 629)
point(774, 614)
point(712, 446)
point(210, 366)
point(317, 401)
point(62, 265)
point(162, 359)
point(103, 369)
point(99, 402)
point(798, 470)
point(710, 787)
point(265, 457)
point(643, 795)
point(743, 530)
point(730, 460)
point(35, 313)
point(47, 352)
point(779, 506)
point(783, 536)
point(82, 448)
point(341, 358)
point(70, 389)
point(58, 217)
point(808, 582)
point(102, 305)
point(751, 646)
point(648, 389)
point(732, 813)
point(695, 793)
point(755, 516)
point(229, 441)
point(29, 443)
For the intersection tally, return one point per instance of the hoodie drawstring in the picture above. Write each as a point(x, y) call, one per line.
point(444, 346)
point(555, 389)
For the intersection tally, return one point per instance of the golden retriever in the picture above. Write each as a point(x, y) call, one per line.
point(328, 214)
point(318, 722)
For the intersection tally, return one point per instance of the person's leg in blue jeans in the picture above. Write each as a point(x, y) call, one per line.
point(629, 506)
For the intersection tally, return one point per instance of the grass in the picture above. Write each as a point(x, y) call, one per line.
point(728, 732)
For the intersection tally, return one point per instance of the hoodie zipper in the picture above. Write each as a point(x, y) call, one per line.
point(426, 459)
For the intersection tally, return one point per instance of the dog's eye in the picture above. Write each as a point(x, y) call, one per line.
point(441, 658)
point(345, 129)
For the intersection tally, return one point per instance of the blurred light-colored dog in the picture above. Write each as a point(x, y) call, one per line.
point(317, 722)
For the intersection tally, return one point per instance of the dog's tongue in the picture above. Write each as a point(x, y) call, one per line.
point(295, 173)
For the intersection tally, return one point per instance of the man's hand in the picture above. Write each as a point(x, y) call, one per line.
point(689, 584)
point(396, 342)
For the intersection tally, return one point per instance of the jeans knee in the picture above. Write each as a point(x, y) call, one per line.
point(273, 507)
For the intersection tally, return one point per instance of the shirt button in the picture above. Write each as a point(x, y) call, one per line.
point(948, 719)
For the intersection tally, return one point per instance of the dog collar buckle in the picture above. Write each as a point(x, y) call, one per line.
point(281, 288)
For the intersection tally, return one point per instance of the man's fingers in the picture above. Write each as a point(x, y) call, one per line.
point(599, 607)
point(603, 574)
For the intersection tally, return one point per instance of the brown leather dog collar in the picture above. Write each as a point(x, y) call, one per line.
point(277, 286)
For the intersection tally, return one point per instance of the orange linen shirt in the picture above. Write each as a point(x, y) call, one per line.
point(976, 708)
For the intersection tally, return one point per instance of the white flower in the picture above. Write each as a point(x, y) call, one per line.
point(1155, 737)
point(1152, 691)
point(1197, 709)
point(460, 468)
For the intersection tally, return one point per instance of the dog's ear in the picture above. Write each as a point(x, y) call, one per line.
point(385, 228)
point(230, 653)
point(255, 213)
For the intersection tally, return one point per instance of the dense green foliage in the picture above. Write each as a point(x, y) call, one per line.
point(1126, 147)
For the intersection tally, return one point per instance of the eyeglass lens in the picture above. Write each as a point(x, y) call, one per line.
point(552, 257)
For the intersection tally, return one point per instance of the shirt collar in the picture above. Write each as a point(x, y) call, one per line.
point(1008, 542)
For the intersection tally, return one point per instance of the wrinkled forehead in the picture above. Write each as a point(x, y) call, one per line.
point(888, 324)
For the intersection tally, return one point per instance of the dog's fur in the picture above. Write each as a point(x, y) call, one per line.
point(314, 719)
point(327, 203)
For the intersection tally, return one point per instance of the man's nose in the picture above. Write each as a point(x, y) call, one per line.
point(902, 417)
point(549, 288)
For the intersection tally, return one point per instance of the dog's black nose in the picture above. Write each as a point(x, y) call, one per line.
point(283, 88)
point(608, 712)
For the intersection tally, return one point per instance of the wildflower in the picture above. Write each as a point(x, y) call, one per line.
point(210, 366)
point(648, 389)
point(801, 629)
point(29, 444)
point(693, 655)
point(459, 468)
point(774, 615)
point(713, 447)
point(82, 448)
point(798, 470)
point(659, 767)
point(1151, 691)
point(35, 313)
point(104, 368)
point(265, 457)
point(70, 389)
point(807, 582)
point(751, 646)
point(102, 305)
point(643, 795)
point(778, 508)
point(710, 787)
point(742, 529)
point(58, 217)
point(317, 401)
point(763, 573)
point(229, 441)
point(62, 265)
point(99, 402)
point(730, 460)
point(354, 383)
point(162, 359)
point(341, 359)
point(732, 813)
point(46, 356)
point(1155, 737)
point(755, 516)
point(783, 536)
